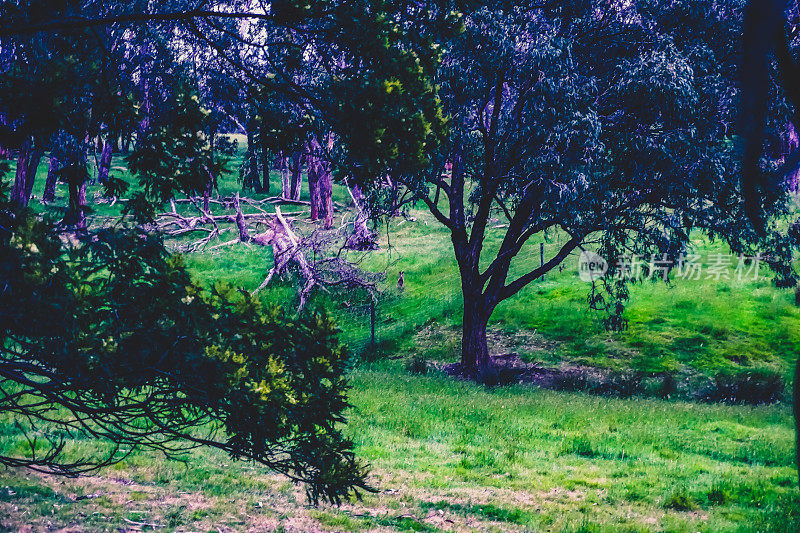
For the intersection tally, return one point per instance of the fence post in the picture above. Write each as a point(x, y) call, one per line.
point(541, 258)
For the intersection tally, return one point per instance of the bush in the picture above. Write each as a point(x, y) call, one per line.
point(111, 340)
point(750, 387)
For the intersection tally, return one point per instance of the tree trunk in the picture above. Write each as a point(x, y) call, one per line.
point(297, 174)
point(52, 179)
point(76, 214)
point(265, 163)
point(286, 184)
point(320, 184)
point(105, 160)
point(33, 166)
point(27, 163)
point(313, 175)
point(475, 359)
point(326, 195)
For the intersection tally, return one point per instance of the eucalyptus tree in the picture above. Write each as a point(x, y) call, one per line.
point(106, 337)
point(611, 123)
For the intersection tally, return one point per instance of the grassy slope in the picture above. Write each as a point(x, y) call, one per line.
point(454, 455)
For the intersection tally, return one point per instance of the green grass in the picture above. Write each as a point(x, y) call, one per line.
point(452, 455)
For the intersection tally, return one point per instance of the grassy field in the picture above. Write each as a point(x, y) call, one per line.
point(456, 456)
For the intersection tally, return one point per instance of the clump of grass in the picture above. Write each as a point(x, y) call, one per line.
point(719, 494)
point(579, 445)
point(681, 500)
point(750, 387)
point(416, 365)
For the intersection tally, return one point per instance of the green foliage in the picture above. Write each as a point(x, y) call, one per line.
point(175, 154)
point(107, 337)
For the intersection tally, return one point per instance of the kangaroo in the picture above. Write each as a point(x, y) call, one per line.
point(401, 282)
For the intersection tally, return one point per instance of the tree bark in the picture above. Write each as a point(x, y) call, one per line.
point(326, 195)
point(52, 179)
point(475, 360)
point(286, 184)
point(104, 167)
point(297, 174)
point(27, 163)
point(320, 184)
point(313, 176)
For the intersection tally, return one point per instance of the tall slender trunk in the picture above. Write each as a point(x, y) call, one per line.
point(265, 163)
point(286, 184)
point(320, 184)
point(33, 166)
point(297, 174)
point(76, 213)
point(104, 166)
point(52, 179)
point(326, 195)
point(313, 175)
point(27, 163)
point(76, 175)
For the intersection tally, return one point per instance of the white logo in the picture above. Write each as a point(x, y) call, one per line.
point(591, 266)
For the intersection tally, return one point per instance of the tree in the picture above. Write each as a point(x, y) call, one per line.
point(141, 358)
point(107, 337)
point(607, 125)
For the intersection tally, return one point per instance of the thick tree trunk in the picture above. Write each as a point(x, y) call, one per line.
point(104, 167)
point(49, 194)
point(297, 174)
point(475, 359)
point(27, 163)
